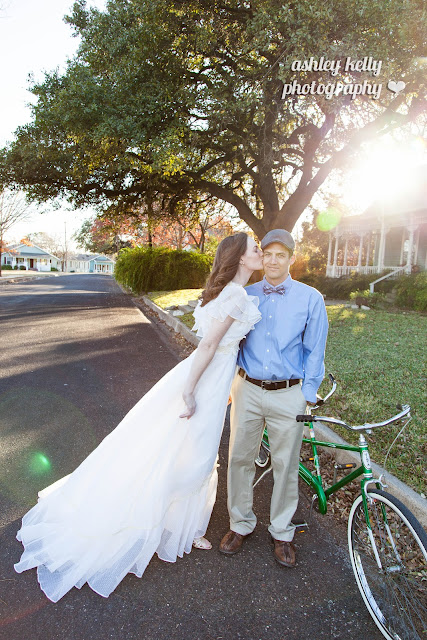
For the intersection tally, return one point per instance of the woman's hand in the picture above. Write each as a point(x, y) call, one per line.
point(191, 405)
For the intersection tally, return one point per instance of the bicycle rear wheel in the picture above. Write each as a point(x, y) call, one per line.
point(395, 593)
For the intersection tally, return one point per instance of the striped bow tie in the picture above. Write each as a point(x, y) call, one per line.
point(280, 290)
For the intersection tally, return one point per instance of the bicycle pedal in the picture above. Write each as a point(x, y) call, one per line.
point(301, 526)
point(348, 465)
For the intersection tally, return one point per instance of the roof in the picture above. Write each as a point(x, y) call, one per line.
point(87, 257)
point(22, 250)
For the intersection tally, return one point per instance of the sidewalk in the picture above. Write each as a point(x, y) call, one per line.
point(399, 489)
point(8, 276)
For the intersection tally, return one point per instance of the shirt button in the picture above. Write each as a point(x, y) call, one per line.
point(268, 333)
point(272, 300)
point(266, 367)
point(268, 350)
point(270, 316)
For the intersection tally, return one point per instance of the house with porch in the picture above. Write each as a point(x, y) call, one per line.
point(87, 263)
point(30, 257)
point(391, 234)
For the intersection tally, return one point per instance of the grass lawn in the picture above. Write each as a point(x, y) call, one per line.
point(165, 299)
point(378, 359)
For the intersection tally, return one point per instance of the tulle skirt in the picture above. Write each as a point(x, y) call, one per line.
point(149, 487)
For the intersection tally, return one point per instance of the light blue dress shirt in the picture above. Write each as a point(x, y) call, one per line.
point(289, 341)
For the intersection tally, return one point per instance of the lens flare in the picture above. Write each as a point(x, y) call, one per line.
point(39, 463)
point(328, 219)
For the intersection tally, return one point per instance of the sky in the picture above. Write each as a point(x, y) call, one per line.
point(34, 39)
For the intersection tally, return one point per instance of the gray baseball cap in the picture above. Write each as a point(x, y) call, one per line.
point(278, 235)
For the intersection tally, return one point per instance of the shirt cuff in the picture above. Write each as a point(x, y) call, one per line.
point(309, 391)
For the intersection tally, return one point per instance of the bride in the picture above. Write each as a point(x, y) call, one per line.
point(117, 509)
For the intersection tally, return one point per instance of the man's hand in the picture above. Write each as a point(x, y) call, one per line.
point(191, 405)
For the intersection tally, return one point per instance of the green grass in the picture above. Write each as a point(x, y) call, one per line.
point(165, 299)
point(378, 359)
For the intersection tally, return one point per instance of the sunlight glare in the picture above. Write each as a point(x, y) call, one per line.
point(384, 171)
point(328, 220)
point(39, 463)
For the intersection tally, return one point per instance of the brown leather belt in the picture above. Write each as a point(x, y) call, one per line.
point(270, 385)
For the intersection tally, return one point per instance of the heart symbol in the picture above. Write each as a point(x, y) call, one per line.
point(396, 87)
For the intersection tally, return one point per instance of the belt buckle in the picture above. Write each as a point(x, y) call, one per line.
point(269, 382)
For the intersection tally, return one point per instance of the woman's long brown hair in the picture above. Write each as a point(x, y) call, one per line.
point(225, 265)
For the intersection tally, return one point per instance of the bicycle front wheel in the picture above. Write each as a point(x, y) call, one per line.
point(390, 565)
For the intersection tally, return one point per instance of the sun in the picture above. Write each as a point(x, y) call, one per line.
point(384, 171)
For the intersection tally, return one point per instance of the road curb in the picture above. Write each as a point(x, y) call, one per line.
point(173, 322)
point(6, 280)
point(405, 494)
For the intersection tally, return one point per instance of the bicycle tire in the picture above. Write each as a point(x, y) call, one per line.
point(395, 594)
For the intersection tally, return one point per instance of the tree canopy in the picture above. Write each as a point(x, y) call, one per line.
point(170, 99)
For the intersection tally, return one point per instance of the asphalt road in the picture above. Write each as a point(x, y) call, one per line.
point(76, 355)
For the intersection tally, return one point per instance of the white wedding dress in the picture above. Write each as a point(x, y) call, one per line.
point(120, 506)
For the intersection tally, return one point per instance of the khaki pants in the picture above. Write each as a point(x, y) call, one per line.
point(251, 406)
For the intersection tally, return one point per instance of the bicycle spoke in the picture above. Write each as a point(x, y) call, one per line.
point(396, 594)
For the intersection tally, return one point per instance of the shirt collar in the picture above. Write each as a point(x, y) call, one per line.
point(287, 284)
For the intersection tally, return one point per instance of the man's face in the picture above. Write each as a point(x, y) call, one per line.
point(277, 260)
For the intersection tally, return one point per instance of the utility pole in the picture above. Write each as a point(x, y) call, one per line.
point(66, 249)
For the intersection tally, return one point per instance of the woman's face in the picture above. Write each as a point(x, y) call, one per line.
point(252, 258)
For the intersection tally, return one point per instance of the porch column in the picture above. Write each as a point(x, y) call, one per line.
point(329, 249)
point(334, 267)
point(345, 252)
point(368, 249)
point(402, 247)
point(417, 244)
point(359, 259)
point(382, 248)
point(409, 263)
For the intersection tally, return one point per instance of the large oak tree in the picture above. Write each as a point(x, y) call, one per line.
point(170, 99)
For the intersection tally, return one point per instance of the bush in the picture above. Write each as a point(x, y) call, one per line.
point(7, 267)
point(22, 267)
point(341, 288)
point(411, 292)
point(15, 267)
point(53, 269)
point(375, 300)
point(145, 269)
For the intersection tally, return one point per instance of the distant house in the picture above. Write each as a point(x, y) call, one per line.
point(31, 257)
point(391, 233)
point(86, 263)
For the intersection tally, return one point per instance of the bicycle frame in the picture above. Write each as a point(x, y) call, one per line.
point(314, 479)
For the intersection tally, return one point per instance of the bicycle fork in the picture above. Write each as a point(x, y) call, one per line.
point(380, 484)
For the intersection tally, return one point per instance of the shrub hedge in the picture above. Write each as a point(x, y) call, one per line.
point(341, 288)
point(143, 269)
point(411, 292)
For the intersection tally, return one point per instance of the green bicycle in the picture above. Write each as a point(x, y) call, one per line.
point(387, 544)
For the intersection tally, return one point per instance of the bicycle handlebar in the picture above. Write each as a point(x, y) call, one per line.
point(405, 409)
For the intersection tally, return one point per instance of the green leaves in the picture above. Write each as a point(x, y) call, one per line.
point(185, 97)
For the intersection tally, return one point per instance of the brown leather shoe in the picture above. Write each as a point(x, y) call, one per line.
point(232, 543)
point(284, 552)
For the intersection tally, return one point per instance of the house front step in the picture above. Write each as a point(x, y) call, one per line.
point(185, 308)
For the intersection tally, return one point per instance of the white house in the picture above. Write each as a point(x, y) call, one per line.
point(86, 263)
point(31, 257)
point(391, 234)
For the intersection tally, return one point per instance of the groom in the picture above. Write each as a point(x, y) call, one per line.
point(281, 366)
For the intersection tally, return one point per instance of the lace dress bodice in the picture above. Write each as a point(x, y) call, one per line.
point(232, 301)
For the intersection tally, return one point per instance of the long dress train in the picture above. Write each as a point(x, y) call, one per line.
point(119, 507)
